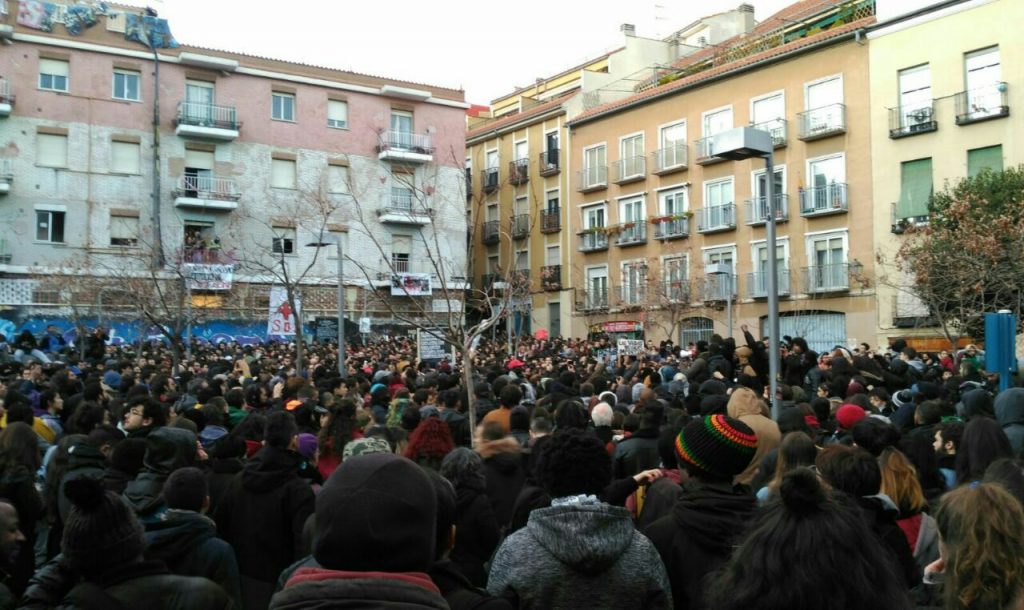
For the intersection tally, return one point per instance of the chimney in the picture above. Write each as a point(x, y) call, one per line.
point(746, 8)
point(746, 14)
point(628, 29)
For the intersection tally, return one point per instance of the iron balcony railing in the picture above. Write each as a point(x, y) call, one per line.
point(592, 178)
point(631, 295)
point(671, 228)
point(901, 224)
point(676, 291)
point(489, 179)
point(719, 287)
point(629, 169)
point(200, 114)
point(549, 162)
point(912, 119)
point(671, 158)
point(822, 122)
point(207, 187)
point(593, 240)
point(520, 226)
point(776, 128)
point(757, 284)
point(488, 280)
point(828, 278)
point(631, 233)
point(401, 265)
point(6, 97)
point(7, 169)
point(469, 182)
point(395, 139)
point(824, 199)
point(981, 104)
point(758, 210)
point(704, 151)
point(519, 171)
point(551, 220)
point(716, 218)
point(592, 299)
point(551, 277)
point(491, 232)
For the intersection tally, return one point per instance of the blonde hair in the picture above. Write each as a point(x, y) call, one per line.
point(899, 482)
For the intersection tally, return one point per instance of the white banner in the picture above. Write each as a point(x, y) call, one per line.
point(410, 285)
point(209, 277)
point(282, 318)
point(631, 347)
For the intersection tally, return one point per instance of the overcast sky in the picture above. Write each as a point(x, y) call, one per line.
point(486, 48)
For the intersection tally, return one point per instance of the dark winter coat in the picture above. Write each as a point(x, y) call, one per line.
point(636, 454)
point(580, 556)
point(460, 593)
point(458, 424)
point(476, 534)
point(261, 515)
point(503, 468)
point(881, 514)
point(167, 449)
point(1010, 415)
point(17, 486)
point(187, 543)
point(320, 589)
point(698, 537)
point(219, 477)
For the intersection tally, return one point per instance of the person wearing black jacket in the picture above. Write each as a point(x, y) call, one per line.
point(167, 449)
point(639, 452)
point(264, 509)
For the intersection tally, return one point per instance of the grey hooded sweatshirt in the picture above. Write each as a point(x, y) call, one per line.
point(1010, 415)
point(580, 556)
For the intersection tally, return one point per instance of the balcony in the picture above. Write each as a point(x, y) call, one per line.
point(551, 278)
point(403, 209)
point(549, 162)
point(823, 122)
point(551, 220)
point(824, 200)
point(718, 287)
point(519, 171)
point(488, 280)
point(469, 183)
point(901, 225)
point(705, 154)
point(6, 98)
point(593, 240)
point(520, 226)
point(676, 291)
point(491, 233)
point(821, 279)
point(592, 178)
point(592, 299)
point(982, 104)
point(6, 175)
point(757, 209)
point(670, 159)
point(631, 233)
point(757, 284)
point(489, 180)
point(206, 193)
point(671, 227)
point(206, 121)
point(629, 170)
point(405, 146)
point(630, 295)
point(777, 128)
point(912, 119)
point(716, 218)
point(909, 312)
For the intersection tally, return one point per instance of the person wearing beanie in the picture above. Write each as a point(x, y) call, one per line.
point(263, 511)
point(847, 416)
point(711, 511)
point(580, 552)
point(376, 531)
point(101, 564)
point(167, 449)
point(748, 407)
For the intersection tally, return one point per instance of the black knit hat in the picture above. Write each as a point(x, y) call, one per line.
point(101, 531)
point(377, 512)
point(717, 445)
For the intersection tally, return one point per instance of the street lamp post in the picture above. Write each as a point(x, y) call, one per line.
point(326, 239)
point(749, 143)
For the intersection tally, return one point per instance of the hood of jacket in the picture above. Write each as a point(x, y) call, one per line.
point(1009, 407)
point(177, 535)
point(709, 513)
point(311, 588)
point(587, 537)
point(145, 492)
point(270, 468)
point(84, 455)
point(502, 446)
point(744, 401)
point(978, 403)
point(168, 449)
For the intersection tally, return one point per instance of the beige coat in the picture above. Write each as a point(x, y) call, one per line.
point(748, 407)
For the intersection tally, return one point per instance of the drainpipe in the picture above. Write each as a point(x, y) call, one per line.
point(158, 249)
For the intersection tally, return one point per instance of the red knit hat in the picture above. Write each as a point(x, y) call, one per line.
point(849, 415)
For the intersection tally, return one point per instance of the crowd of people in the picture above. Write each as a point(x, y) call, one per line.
point(562, 476)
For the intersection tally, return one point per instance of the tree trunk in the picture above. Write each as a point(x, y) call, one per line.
point(467, 379)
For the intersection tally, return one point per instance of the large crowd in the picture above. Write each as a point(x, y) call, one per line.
point(565, 476)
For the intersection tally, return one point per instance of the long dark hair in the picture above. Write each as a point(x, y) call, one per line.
point(983, 443)
point(808, 549)
point(55, 471)
point(339, 428)
point(19, 447)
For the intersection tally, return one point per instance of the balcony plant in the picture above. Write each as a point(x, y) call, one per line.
point(592, 230)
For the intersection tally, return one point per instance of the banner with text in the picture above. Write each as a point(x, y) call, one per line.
point(631, 347)
point(209, 277)
point(410, 285)
point(282, 318)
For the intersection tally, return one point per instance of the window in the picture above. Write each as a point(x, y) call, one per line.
point(198, 172)
point(492, 159)
point(401, 197)
point(758, 210)
point(768, 113)
point(597, 287)
point(284, 240)
point(553, 255)
point(824, 103)
point(633, 218)
point(595, 166)
point(825, 93)
point(593, 217)
point(980, 159)
point(631, 153)
point(982, 80)
point(521, 151)
point(53, 74)
point(337, 179)
point(674, 202)
point(51, 150)
point(124, 231)
point(720, 272)
point(50, 226)
point(671, 145)
point(282, 106)
point(522, 260)
point(126, 85)
point(493, 264)
point(826, 254)
point(199, 97)
point(401, 249)
point(282, 173)
point(718, 209)
point(915, 189)
point(634, 282)
point(717, 121)
point(695, 330)
point(124, 157)
point(674, 269)
point(759, 278)
point(552, 201)
point(915, 97)
point(401, 129)
point(827, 188)
point(337, 114)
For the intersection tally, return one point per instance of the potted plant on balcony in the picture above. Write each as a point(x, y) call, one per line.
point(591, 230)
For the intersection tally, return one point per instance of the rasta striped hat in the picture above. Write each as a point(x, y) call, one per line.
point(717, 445)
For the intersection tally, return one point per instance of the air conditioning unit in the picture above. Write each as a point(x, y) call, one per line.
point(717, 268)
point(920, 120)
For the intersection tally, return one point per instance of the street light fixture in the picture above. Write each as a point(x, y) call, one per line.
point(326, 239)
point(749, 143)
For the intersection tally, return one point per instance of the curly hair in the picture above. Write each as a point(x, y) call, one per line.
point(429, 443)
point(464, 468)
point(982, 528)
point(573, 462)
